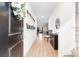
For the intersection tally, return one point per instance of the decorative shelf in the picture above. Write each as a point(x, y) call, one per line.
point(30, 15)
point(11, 47)
point(16, 33)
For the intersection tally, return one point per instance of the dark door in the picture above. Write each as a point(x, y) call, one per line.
point(56, 42)
point(3, 29)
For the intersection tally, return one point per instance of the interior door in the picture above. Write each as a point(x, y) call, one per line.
point(3, 29)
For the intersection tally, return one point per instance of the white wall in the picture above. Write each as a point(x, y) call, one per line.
point(65, 11)
point(67, 38)
point(77, 19)
point(45, 28)
point(29, 34)
point(77, 14)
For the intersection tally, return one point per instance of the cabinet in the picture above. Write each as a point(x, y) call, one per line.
point(15, 36)
point(54, 41)
point(11, 29)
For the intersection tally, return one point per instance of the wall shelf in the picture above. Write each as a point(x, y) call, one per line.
point(11, 47)
point(16, 49)
point(16, 33)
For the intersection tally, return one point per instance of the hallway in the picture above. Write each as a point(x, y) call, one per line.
point(52, 19)
point(38, 29)
point(42, 48)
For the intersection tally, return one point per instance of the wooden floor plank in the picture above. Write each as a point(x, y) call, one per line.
point(42, 48)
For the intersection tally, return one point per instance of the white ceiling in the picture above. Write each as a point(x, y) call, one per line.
point(43, 10)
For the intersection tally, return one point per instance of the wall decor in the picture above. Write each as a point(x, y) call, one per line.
point(30, 15)
point(18, 9)
point(57, 23)
point(30, 26)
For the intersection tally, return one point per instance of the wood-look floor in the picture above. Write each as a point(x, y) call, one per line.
point(42, 48)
